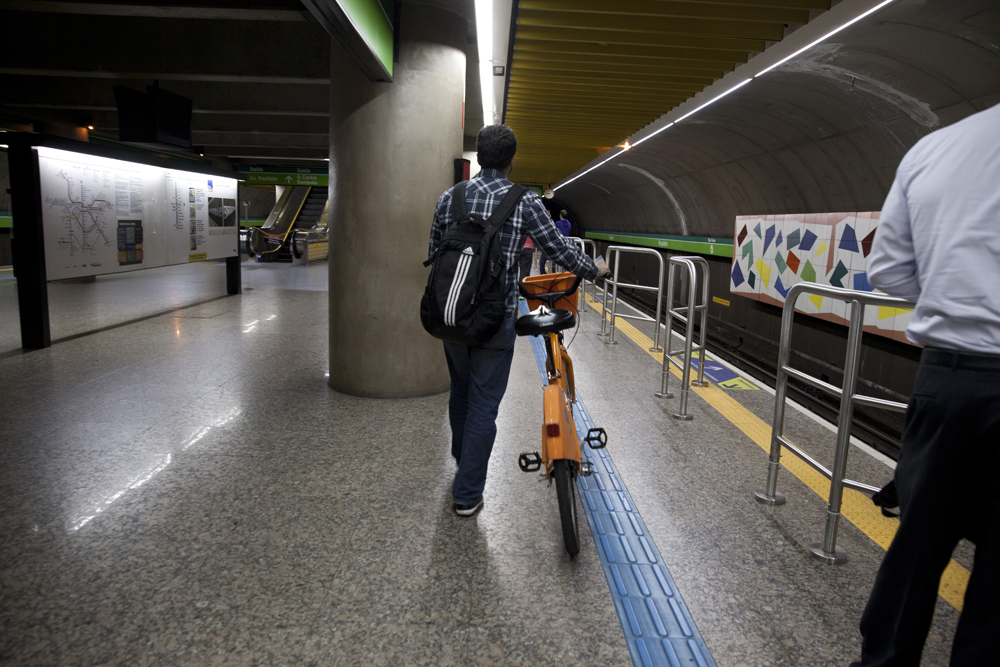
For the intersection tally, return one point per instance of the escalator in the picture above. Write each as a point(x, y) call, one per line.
point(300, 208)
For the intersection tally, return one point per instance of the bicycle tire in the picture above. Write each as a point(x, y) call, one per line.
point(566, 493)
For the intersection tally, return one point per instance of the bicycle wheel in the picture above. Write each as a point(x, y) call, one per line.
point(566, 492)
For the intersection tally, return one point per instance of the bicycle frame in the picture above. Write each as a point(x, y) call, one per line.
point(559, 438)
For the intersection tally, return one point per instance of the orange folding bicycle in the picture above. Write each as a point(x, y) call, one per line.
point(555, 311)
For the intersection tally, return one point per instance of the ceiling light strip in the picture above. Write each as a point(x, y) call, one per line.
point(824, 37)
point(736, 87)
point(484, 39)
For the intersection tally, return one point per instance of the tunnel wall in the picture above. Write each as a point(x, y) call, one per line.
point(822, 133)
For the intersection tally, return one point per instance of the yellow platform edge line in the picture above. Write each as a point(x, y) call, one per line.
point(856, 507)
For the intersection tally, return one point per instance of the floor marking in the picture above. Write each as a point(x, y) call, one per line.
point(658, 627)
point(856, 508)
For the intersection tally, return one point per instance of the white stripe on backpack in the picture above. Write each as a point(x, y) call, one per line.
point(461, 271)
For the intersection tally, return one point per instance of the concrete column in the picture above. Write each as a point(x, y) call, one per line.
point(392, 147)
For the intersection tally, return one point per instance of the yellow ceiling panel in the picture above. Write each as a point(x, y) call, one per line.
point(586, 74)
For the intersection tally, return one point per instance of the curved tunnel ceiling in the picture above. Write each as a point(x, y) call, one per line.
point(823, 132)
point(586, 74)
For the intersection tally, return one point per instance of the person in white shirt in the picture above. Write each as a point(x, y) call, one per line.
point(938, 244)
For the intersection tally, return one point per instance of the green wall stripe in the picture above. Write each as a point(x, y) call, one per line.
point(374, 27)
point(700, 245)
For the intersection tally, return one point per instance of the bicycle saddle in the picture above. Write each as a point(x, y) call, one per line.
point(544, 321)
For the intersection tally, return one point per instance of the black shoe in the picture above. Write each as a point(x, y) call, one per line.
point(469, 510)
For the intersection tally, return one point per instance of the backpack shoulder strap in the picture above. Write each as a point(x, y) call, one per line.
point(459, 209)
point(506, 207)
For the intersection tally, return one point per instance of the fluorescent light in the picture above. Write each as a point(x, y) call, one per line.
point(589, 170)
point(713, 100)
point(827, 35)
point(650, 136)
point(484, 36)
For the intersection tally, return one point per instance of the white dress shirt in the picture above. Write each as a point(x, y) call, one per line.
point(938, 238)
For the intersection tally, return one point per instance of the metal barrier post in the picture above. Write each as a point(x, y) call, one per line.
point(690, 263)
point(582, 292)
point(618, 250)
point(614, 297)
point(827, 550)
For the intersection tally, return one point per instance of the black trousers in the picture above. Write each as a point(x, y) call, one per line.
point(524, 262)
point(947, 490)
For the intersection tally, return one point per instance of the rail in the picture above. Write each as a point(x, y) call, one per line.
point(693, 307)
point(614, 256)
point(582, 245)
point(827, 550)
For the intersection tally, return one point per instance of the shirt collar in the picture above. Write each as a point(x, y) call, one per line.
point(492, 173)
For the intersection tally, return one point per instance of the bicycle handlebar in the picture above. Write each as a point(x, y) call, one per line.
point(549, 298)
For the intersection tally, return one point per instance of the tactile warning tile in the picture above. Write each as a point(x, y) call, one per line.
point(856, 507)
point(658, 627)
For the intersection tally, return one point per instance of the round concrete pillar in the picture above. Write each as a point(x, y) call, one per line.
point(392, 151)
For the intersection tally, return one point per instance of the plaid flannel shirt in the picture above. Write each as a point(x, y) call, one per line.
point(483, 192)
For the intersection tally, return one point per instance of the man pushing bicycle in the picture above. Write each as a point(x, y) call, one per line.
point(471, 298)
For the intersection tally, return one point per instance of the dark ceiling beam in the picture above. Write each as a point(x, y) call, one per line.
point(164, 76)
point(634, 25)
point(526, 74)
point(616, 68)
point(636, 43)
point(660, 8)
point(157, 11)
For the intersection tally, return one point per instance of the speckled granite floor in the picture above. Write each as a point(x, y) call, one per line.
point(170, 497)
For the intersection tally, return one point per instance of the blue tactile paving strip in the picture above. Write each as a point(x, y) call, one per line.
point(658, 627)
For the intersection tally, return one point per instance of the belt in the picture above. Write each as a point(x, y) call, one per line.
point(965, 361)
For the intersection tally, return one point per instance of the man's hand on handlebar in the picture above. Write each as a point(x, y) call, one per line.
point(605, 271)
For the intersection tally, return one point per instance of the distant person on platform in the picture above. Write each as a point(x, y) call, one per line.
point(938, 244)
point(479, 372)
point(564, 226)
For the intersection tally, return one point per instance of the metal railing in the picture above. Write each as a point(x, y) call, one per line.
point(614, 254)
point(582, 245)
point(693, 306)
point(827, 550)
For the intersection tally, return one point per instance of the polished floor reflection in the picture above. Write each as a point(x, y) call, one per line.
point(186, 490)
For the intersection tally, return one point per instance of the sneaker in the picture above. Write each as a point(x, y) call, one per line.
point(468, 510)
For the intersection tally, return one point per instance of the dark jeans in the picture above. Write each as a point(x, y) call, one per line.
point(478, 381)
point(946, 482)
point(524, 263)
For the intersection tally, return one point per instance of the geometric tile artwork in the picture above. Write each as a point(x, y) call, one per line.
point(782, 290)
point(780, 263)
point(764, 271)
point(829, 249)
point(737, 274)
point(849, 241)
point(792, 240)
point(837, 277)
point(808, 272)
point(793, 262)
point(808, 238)
point(866, 244)
point(768, 237)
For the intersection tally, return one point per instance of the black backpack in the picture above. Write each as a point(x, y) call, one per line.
point(466, 292)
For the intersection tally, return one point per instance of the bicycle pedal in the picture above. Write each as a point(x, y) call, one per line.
point(586, 468)
point(529, 461)
point(596, 438)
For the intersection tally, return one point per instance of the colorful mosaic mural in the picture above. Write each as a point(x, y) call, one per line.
point(773, 252)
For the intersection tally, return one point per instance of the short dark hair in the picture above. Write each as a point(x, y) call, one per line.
point(563, 213)
point(495, 146)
